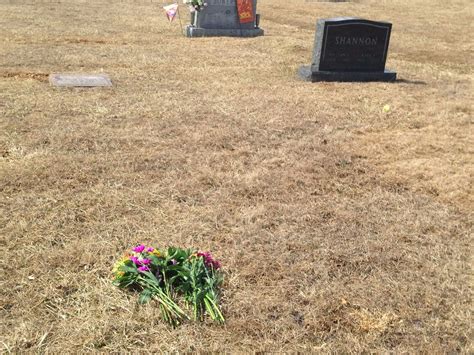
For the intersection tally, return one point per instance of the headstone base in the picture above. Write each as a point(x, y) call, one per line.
point(192, 31)
point(306, 74)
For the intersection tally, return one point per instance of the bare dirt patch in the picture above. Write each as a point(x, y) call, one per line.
point(24, 75)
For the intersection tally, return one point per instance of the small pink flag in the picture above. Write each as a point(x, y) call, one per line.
point(171, 11)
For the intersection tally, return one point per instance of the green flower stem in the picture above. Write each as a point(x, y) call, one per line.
point(219, 317)
point(209, 309)
point(164, 299)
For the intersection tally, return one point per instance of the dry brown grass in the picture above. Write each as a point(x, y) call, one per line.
point(341, 227)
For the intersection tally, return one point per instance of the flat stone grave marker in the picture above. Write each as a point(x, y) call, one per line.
point(220, 18)
point(349, 49)
point(80, 80)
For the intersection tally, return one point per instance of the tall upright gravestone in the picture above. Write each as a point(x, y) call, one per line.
point(349, 49)
point(221, 18)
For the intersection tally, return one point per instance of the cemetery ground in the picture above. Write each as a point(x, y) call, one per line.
point(341, 226)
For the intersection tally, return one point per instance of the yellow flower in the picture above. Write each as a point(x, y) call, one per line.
point(119, 264)
point(156, 253)
point(117, 274)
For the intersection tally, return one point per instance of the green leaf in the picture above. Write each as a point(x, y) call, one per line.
point(145, 296)
point(133, 269)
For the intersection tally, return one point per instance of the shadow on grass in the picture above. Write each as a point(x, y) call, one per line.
point(413, 82)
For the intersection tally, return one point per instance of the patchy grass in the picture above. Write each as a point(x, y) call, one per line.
point(341, 227)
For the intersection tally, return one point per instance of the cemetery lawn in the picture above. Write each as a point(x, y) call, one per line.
point(341, 227)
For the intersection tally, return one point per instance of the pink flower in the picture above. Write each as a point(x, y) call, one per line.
point(135, 260)
point(205, 255)
point(150, 249)
point(145, 261)
point(139, 248)
point(143, 268)
point(209, 261)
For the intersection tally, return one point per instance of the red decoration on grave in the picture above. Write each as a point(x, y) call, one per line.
point(245, 11)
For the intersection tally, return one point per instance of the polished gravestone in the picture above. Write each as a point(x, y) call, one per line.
point(220, 18)
point(349, 49)
point(80, 80)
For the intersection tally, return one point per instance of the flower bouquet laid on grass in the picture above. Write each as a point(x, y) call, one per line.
point(176, 278)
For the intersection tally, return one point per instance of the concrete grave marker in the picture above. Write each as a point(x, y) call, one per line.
point(80, 80)
point(349, 49)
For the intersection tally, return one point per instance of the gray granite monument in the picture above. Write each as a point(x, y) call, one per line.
point(80, 80)
point(349, 49)
point(220, 18)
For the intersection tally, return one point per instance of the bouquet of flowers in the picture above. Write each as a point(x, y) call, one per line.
point(195, 5)
point(165, 275)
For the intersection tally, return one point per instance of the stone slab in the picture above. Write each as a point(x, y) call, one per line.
point(306, 73)
point(350, 44)
point(192, 31)
point(349, 49)
point(80, 80)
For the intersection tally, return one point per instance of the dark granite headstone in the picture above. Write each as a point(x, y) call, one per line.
point(220, 18)
point(349, 49)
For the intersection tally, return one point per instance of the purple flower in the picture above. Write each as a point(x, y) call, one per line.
point(173, 262)
point(206, 255)
point(150, 249)
point(216, 264)
point(139, 248)
point(135, 260)
point(209, 261)
point(145, 261)
point(143, 268)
